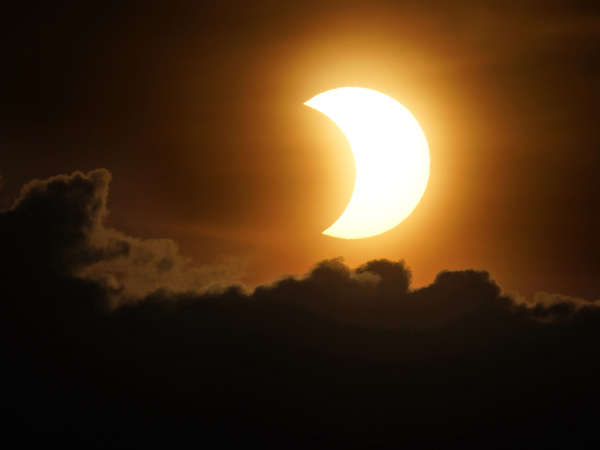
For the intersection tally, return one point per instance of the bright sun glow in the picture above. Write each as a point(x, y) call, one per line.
point(391, 156)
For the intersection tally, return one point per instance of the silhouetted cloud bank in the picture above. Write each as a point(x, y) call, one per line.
point(113, 339)
point(56, 226)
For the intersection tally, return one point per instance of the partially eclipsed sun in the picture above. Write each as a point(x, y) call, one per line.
point(391, 156)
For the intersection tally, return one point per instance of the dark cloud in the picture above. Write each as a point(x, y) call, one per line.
point(57, 227)
point(378, 294)
point(337, 357)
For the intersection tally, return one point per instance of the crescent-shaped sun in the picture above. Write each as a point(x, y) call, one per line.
point(391, 157)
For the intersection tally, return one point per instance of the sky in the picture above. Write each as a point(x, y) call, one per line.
point(163, 191)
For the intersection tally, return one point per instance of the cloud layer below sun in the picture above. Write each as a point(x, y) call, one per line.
point(109, 335)
point(56, 227)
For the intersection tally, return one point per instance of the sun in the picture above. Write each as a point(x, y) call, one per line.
point(391, 155)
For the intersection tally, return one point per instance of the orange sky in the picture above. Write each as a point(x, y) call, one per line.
point(198, 113)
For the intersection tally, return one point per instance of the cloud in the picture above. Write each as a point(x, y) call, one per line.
point(377, 294)
point(57, 227)
point(337, 356)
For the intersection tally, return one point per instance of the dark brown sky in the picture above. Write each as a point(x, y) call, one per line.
point(196, 109)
